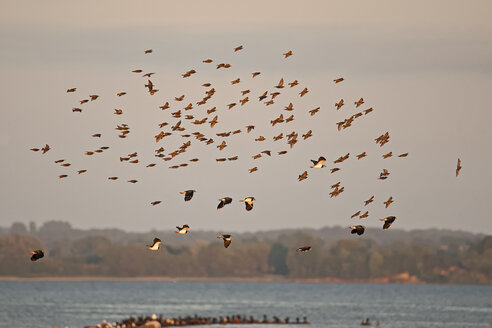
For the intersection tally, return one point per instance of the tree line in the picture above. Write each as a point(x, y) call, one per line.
point(451, 260)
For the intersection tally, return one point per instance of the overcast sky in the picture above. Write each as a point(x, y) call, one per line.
point(424, 66)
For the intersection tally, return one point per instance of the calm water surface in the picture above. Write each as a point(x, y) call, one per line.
point(75, 304)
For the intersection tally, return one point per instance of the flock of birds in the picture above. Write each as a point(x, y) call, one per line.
point(178, 127)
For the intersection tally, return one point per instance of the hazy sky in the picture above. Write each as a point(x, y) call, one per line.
point(424, 66)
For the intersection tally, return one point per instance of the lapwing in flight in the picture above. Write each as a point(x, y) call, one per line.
point(223, 202)
point(248, 201)
point(388, 221)
point(155, 246)
point(357, 229)
point(319, 163)
point(227, 240)
point(183, 230)
point(188, 194)
point(36, 255)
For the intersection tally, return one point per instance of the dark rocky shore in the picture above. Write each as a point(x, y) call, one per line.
point(158, 321)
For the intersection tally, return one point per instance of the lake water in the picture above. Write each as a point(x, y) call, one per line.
point(76, 304)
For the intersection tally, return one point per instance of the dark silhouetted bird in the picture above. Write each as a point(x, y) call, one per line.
point(36, 255)
point(357, 229)
point(388, 221)
point(227, 240)
point(223, 202)
point(188, 194)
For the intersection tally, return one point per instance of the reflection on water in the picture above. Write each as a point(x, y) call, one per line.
point(75, 304)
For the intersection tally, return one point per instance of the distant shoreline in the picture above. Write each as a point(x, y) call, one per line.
point(402, 278)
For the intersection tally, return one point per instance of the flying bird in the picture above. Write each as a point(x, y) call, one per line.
point(388, 155)
point(303, 249)
point(183, 230)
point(227, 240)
point(458, 167)
point(357, 229)
point(155, 245)
point(304, 92)
point(293, 83)
point(223, 202)
point(288, 54)
point(303, 176)
point(314, 111)
point(388, 202)
point(361, 155)
point(355, 214)
point(248, 201)
point(340, 79)
point(280, 84)
point(319, 163)
point(367, 202)
point(154, 203)
point(339, 104)
point(253, 169)
point(36, 255)
point(388, 221)
point(188, 194)
point(45, 149)
point(384, 175)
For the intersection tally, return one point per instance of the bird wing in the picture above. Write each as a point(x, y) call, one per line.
point(227, 242)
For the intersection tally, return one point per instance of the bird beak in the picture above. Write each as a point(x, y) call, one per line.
point(32, 253)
